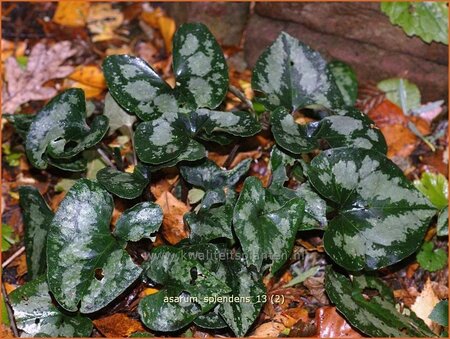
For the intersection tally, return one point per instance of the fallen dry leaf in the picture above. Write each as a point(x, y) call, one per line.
point(292, 316)
point(43, 65)
point(5, 332)
point(89, 78)
point(173, 228)
point(118, 325)
point(103, 20)
point(158, 187)
point(267, 330)
point(425, 303)
point(71, 13)
point(20, 263)
point(166, 26)
point(330, 324)
point(10, 48)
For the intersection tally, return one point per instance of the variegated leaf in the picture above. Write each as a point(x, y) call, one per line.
point(241, 124)
point(123, 184)
point(194, 151)
point(346, 81)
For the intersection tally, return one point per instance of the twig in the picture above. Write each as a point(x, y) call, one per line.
point(242, 97)
point(14, 256)
point(12, 321)
point(231, 156)
point(105, 158)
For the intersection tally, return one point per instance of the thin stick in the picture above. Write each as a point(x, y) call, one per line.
point(14, 256)
point(12, 321)
point(231, 156)
point(241, 97)
point(105, 158)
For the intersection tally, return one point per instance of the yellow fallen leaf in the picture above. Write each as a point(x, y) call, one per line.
point(124, 49)
point(425, 303)
point(71, 13)
point(89, 91)
point(103, 20)
point(166, 26)
point(10, 48)
point(89, 75)
point(148, 291)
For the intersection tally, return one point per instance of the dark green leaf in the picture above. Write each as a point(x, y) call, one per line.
point(440, 313)
point(375, 316)
point(432, 259)
point(293, 76)
point(21, 123)
point(36, 315)
point(140, 221)
point(161, 140)
point(141, 335)
point(262, 232)
point(199, 67)
point(123, 184)
point(137, 87)
point(75, 164)
point(428, 20)
point(211, 320)
point(194, 151)
point(442, 223)
point(60, 124)
point(80, 245)
point(36, 219)
point(241, 124)
point(173, 269)
point(381, 218)
point(346, 81)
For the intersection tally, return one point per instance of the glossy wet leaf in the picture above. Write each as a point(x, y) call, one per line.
point(428, 20)
point(380, 217)
point(137, 87)
point(21, 122)
point(171, 268)
point(263, 232)
point(161, 140)
point(199, 67)
point(75, 164)
point(247, 286)
point(123, 184)
point(346, 81)
point(211, 319)
point(241, 124)
point(140, 221)
point(292, 75)
point(36, 218)
point(60, 129)
point(430, 258)
point(375, 316)
point(194, 151)
point(85, 262)
point(37, 316)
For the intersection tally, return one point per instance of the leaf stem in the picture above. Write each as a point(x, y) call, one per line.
point(105, 158)
point(14, 256)
point(248, 103)
point(12, 321)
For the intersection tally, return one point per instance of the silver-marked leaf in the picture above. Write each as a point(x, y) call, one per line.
point(211, 320)
point(375, 315)
point(36, 218)
point(265, 234)
point(245, 284)
point(137, 87)
point(85, 263)
point(21, 123)
point(172, 268)
point(75, 164)
point(291, 136)
point(209, 176)
point(118, 117)
point(351, 128)
point(60, 123)
point(36, 315)
point(194, 151)
point(292, 75)
point(140, 221)
point(381, 217)
point(345, 79)
point(241, 124)
point(161, 140)
point(123, 184)
point(199, 66)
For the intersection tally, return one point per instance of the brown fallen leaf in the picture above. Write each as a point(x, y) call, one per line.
point(5, 332)
point(103, 20)
point(330, 324)
point(10, 48)
point(425, 303)
point(166, 26)
point(43, 65)
point(268, 330)
point(173, 228)
point(118, 325)
point(71, 13)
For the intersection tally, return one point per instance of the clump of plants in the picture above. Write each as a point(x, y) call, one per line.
point(369, 214)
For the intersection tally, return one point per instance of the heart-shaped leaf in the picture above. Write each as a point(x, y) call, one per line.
point(199, 67)
point(140, 221)
point(376, 315)
point(292, 75)
point(21, 123)
point(137, 87)
point(241, 124)
point(36, 315)
point(123, 184)
point(211, 320)
point(62, 123)
point(247, 286)
point(85, 262)
point(262, 232)
point(36, 219)
point(194, 151)
point(187, 287)
point(381, 218)
point(346, 81)
point(76, 164)
point(161, 140)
